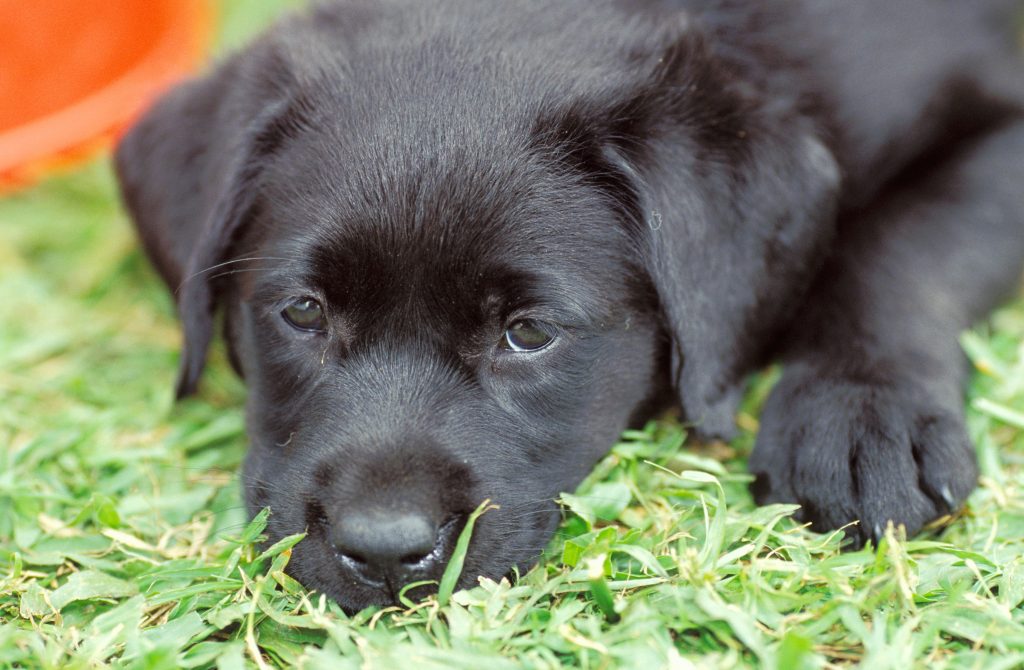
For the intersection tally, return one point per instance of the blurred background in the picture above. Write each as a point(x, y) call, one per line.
point(75, 73)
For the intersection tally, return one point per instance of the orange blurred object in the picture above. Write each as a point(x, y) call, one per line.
point(75, 72)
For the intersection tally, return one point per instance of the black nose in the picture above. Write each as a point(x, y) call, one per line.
point(389, 547)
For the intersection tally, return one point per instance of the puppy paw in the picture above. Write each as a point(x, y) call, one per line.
point(853, 449)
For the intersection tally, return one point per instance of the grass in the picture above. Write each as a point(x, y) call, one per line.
point(123, 542)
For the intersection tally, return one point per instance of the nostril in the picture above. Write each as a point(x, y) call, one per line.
point(350, 556)
point(413, 559)
point(450, 529)
point(442, 542)
point(355, 558)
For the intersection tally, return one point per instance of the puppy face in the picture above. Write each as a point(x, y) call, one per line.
point(456, 258)
point(454, 333)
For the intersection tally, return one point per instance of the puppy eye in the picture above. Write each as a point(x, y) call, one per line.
point(523, 336)
point(305, 314)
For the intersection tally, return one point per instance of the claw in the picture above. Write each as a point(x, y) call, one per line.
point(947, 497)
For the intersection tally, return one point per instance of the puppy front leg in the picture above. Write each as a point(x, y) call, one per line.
point(867, 422)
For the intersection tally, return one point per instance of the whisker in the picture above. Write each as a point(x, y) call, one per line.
point(226, 263)
point(234, 272)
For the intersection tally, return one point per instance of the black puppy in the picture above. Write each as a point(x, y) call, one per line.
point(460, 245)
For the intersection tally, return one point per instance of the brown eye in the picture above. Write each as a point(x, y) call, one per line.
point(523, 336)
point(305, 314)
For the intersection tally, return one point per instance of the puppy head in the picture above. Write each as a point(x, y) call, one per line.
point(450, 272)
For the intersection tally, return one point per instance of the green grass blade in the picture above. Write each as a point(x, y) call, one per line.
point(454, 568)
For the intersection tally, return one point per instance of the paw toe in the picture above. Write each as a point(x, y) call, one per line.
point(860, 453)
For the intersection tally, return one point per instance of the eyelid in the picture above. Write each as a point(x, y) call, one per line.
point(551, 324)
point(279, 297)
point(557, 316)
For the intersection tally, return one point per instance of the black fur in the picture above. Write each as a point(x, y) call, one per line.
point(681, 191)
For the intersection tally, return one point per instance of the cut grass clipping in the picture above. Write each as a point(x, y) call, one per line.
point(124, 542)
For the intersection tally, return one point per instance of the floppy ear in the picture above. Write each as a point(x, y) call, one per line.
point(733, 201)
point(740, 200)
point(731, 261)
point(189, 173)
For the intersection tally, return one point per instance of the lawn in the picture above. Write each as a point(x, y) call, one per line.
point(123, 541)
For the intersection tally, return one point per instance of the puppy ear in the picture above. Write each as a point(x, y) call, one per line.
point(731, 199)
point(730, 256)
point(739, 209)
point(189, 173)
